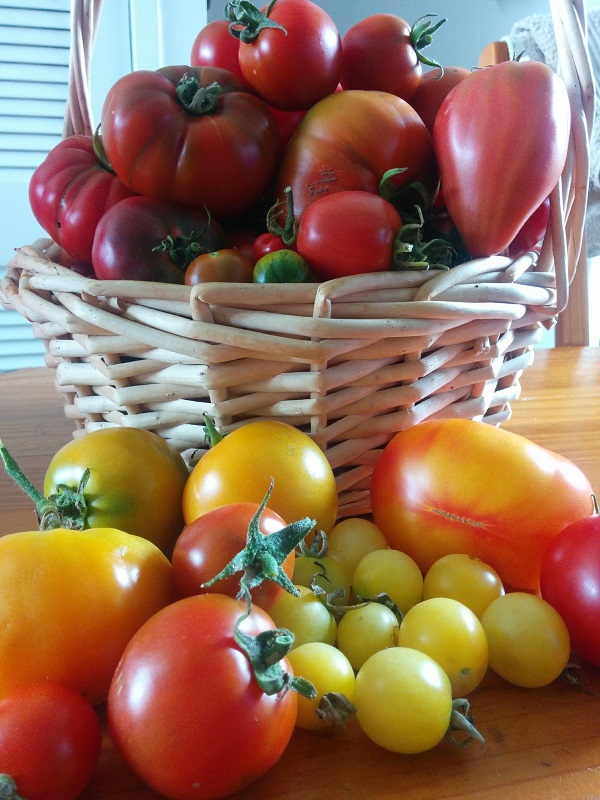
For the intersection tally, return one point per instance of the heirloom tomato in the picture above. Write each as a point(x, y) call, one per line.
point(432, 90)
point(144, 239)
point(241, 466)
point(136, 482)
point(50, 740)
point(229, 265)
point(491, 186)
point(71, 190)
point(281, 266)
point(191, 135)
point(348, 233)
point(570, 582)
point(463, 486)
point(185, 708)
point(349, 140)
point(290, 51)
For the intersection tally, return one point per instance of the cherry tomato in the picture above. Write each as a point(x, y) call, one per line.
point(463, 578)
point(50, 741)
point(228, 265)
point(267, 243)
point(391, 572)
point(366, 630)
point(352, 538)
point(325, 572)
point(305, 616)
point(281, 265)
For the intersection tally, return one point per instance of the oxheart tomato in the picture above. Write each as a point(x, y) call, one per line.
point(70, 191)
point(50, 740)
point(463, 486)
point(349, 140)
point(532, 231)
point(348, 233)
point(185, 708)
point(491, 186)
point(144, 239)
point(570, 581)
point(191, 135)
point(290, 51)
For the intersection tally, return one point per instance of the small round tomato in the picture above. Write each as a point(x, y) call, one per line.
point(229, 265)
point(366, 630)
point(305, 616)
point(281, 266)
point(528, 641)
point(352, 538)
point(464, 578)
point(242, 465)
point(209, 543)
point(390, 572)
point(136, 482)
point(325, 572)
point(50, 741)
point(267, 243)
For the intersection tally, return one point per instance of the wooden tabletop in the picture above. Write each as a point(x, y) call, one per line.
point(540, 743)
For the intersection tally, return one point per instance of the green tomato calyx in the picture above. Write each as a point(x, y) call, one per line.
point(199, 101)
point(8, 788)
point(462, 723)
point(246, 21)
point(421, 36)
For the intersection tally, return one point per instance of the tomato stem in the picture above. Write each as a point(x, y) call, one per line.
point(100, 152)
point(336, 708)
point(421, 36)
point(182, 250)
point(287, 232)
point(462, 721)
point(8, 788)
point(199, 101)
point(246, 21)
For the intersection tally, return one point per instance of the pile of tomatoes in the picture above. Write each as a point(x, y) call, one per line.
point(285, 152)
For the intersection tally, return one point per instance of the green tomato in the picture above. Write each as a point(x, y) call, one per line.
point(281, 266)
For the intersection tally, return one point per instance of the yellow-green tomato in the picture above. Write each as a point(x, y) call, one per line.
point(453, 636)
point(305, 616)
point(403, 700)
point(353, 538)
point(330, 672)
point(390, 572)
point(365, 630)
point(464, 578)
point(528, 640)
point(327, 573)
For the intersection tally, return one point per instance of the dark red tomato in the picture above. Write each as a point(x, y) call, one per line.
point(50, 741)
point(191, 135)
point(69, 193)
point(149, 240)
point(461, 486)
point(295, 63)
point(214, 46)
point(60, 256)
point(348, 141)
point(348, 233)
point(532, 231)
point(242, 240)
point(185, 709)
point(570, 581)
point(209, 543)
point(382, 52)
point(432, 90)
point(287, 122)
point(491, 185)
point(227, 265)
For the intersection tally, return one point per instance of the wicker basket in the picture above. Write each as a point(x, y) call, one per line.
point(350, 361)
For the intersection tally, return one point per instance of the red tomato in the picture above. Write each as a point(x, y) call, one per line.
point(191, 135)
point(69, 193)
point(228, 265)
point(209, 543)
point(296, 62)
point(242, 240)
point(287, 122)
point(432, 89)
point(461, 486)
point(185, 709)
point(570, 581)
point(214, 46)
point(267, 243)
point(382, 52)
point(348, 233)
point(491, 185)
point(532, 231)
point(348, 141)
point(50, 741)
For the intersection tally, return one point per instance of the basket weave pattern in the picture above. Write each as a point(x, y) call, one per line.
point(350, 361)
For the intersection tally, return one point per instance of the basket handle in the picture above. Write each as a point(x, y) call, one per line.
point(84, 26)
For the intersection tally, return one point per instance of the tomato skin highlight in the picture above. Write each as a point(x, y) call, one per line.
point(463, 486)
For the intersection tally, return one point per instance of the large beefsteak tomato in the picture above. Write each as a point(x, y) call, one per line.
point(463, 486)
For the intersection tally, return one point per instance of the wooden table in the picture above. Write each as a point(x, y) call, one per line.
point(542, 743)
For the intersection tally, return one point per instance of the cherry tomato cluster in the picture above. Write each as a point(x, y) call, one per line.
point(285, 152)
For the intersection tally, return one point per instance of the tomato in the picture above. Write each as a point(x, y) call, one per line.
point(242, 240)
point(136, 482)
point(326, 573)
point(453, 636)
point(490, 186)
point(71, 601)
point(464, 578)
point(290, 52)
point(389, 572)
point(287, 122)
point(191, 135)
point(305, 616)
point(185, 708)
point(352, 538)
point(50, 741)
point(267, 243)
point(214, 46)
point(70, 191)
point(432, 90)
point(228, 265)
point(403, 700)
point(382, 52)
point(240, 468)
point(348, 233)
point(330, 672)
point(208, 544)
point(532, 231)
point(463, 486)
point(570, 582)
point(365, 630)
point(281, 266)
point(349, 140)
point(528, 640)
